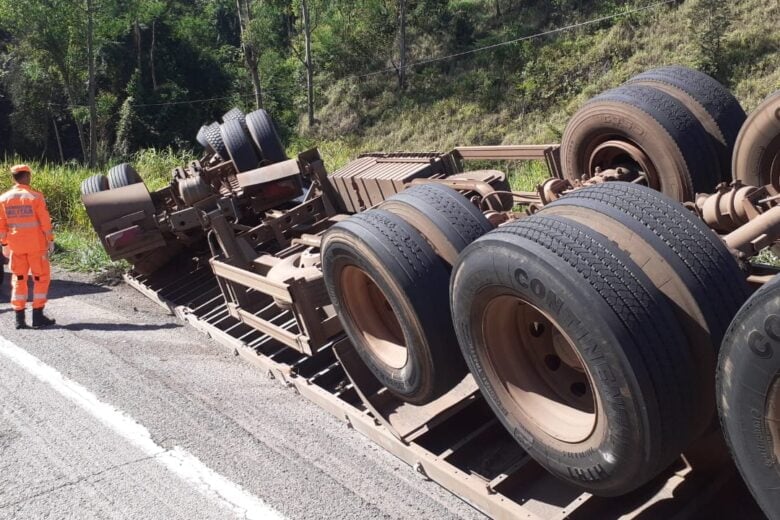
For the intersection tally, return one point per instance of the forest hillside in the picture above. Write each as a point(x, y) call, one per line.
point(95, 82)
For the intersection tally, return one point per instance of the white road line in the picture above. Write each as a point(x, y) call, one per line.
point(177, 460)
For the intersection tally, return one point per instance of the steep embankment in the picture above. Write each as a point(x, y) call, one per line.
point(525, 93)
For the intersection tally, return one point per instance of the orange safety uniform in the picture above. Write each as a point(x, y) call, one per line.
point(25, 227)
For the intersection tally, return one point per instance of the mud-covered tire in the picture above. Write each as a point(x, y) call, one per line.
point(200, 137)
point(711, 103)
point(447, 219)
point(756, 159)
point(749, 394)
point(238, 146)
point(234, 113)
point(261, 128)
point(681, 158)
point(389, 289)
point(94, 184)
point(627, 339)
point(680, 254)
point(123, 175)
point(213, 136)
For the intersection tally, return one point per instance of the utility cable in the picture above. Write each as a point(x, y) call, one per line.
point(516, 40)
point(425, 61)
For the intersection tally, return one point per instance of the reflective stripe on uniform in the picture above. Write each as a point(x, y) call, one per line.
point(22, 196)
point(24, 225)
point(39, 296)
point(18, 195)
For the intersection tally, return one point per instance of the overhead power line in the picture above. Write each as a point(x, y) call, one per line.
point(427, 61)
point(185, 102)
point(516, 40)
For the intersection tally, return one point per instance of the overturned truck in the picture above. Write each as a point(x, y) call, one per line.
point(532, 351)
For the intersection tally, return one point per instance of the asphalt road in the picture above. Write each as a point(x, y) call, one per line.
point(120, 411)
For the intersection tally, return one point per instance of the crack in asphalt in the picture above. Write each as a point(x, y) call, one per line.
point(76, 482)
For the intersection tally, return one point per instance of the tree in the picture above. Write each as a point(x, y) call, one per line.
point(90, 7)
point(302, 28)
point(249, 48)
point(708, 21)
point(308, 62)
point(65, 39)
point(402, 44)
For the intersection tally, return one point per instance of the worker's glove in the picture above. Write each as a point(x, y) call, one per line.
point(51, 248)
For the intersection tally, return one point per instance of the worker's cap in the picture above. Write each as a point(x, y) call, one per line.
point(20, 168)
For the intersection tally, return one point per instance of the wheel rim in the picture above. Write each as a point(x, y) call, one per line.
point(540, 370)
point(771, 162)
point(373, 316)
point(613, 153)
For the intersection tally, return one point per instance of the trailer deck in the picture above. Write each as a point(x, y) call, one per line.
point(455, 441)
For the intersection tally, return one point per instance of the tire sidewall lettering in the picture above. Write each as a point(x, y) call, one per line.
point(762, 342)
point(622, 123)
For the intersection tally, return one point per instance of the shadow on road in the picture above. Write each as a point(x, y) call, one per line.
point(121, 327)
point(65, 288)
point(58, 288)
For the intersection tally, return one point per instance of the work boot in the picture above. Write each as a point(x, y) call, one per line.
point(39, 320)
point(20, 323)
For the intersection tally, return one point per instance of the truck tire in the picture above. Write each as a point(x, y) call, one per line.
point(576, 351)
point(234, 113)
point(238, 146)
point(447, 219)
point(711, 103)
point(200, 137)
point(261, 128)
point(122, 175)
point(646, 127)
point(683, 258)
point(94, 184)
point(213, 135)
point(749, 394)
point(390, 291)
point(756, 158)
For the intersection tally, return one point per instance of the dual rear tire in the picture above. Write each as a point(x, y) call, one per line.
point(387, 274)
point(675, 125)
point(575, 352)
point(592, 328)
point(615, 297)
point(246, 140)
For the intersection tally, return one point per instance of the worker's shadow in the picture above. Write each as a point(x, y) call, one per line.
point(66, 288)
point(118, 327)
point(58, 288)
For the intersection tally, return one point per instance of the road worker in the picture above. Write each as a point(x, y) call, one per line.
point(26, 236)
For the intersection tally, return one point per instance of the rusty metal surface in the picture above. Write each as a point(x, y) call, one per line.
point(523, 152)
point(370, 179)
point(120, 209)
point(757, 234)
point(456, 442)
